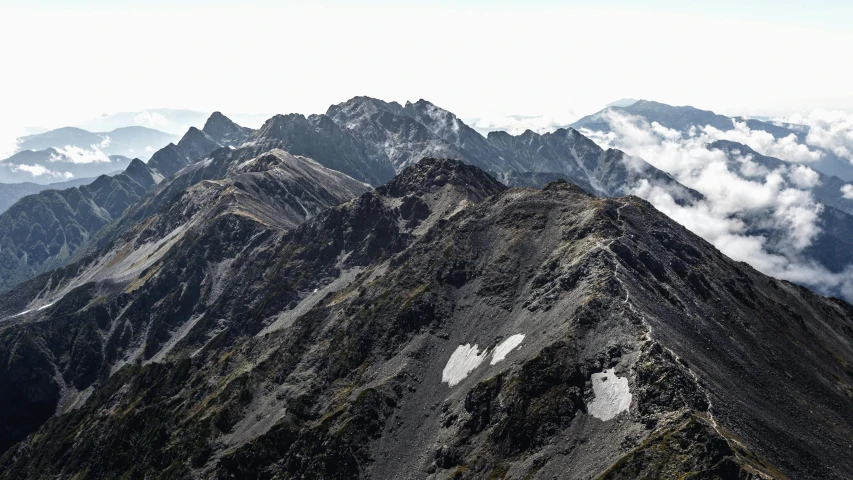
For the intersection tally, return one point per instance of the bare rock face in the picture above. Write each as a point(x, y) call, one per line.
point(441, 326)
point(224, 131)
point(405, 134)
point(320, 138)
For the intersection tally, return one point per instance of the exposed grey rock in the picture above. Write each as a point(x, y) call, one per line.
point(320, 138)
point(731, 374)
point(405, 134)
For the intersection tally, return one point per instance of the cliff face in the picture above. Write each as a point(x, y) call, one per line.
point(439, 326)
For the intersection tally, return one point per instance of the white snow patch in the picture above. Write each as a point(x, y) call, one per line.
point(21, 313)
point(465, 359)
point(30, 310)
point(505, 347)
point(612, 395)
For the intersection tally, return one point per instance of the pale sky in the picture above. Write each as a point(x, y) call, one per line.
point(63, 64)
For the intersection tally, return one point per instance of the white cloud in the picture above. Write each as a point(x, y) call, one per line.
point(738, 205)
point(517, 124)
point(106, 142)
point(847, 191)
point(79, 155)
point(36, 170)
point(804, 177)
point(832, 130)
point(786, 148)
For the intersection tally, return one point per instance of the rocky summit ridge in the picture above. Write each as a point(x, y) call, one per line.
point(440, 326)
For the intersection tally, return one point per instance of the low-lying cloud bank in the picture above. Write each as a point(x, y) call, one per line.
point(743, 200)
point(830, 130)
point(81, 155)
point(517, 124)
point(41, 171)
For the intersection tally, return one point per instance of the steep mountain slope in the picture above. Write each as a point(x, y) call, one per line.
point(174, 262)
point(44, 231)
point(443, 326)
point(683, 118)
point(602, 172)
point(320, 138)
point(52, 165)
point(405, 134)
point(131, 141)
point(12, 192)
point(225, 131)
point(477, 149)
point(390, 133)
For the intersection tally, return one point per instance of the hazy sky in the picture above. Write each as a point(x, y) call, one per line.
point(64, 64)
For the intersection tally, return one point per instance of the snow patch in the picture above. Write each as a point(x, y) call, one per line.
point(505, 347)
point(21, 313)
point(612, 395)
point(464, 359)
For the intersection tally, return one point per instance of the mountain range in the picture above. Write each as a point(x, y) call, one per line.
point(323, 297)
point(132, 142)
point(683, 118)
point(44, 167)
point(72, 153)
point(174, 121)
point(370, 139)
point(12, 192)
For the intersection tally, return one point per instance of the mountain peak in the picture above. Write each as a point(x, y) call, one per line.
point(623, 102)
point(224, 131)
point(431, 174)
point(194, 136)
point(216, 119)
point(359, 108)
point(727, 146)
point(273, 127)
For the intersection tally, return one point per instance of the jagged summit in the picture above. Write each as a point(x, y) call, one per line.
point(173, 157)
point(273, 125)
point(320, 138)
point(362, 105)
point(224, 131)
point(432, 173)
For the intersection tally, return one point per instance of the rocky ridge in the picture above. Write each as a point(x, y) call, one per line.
point(446, 326)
